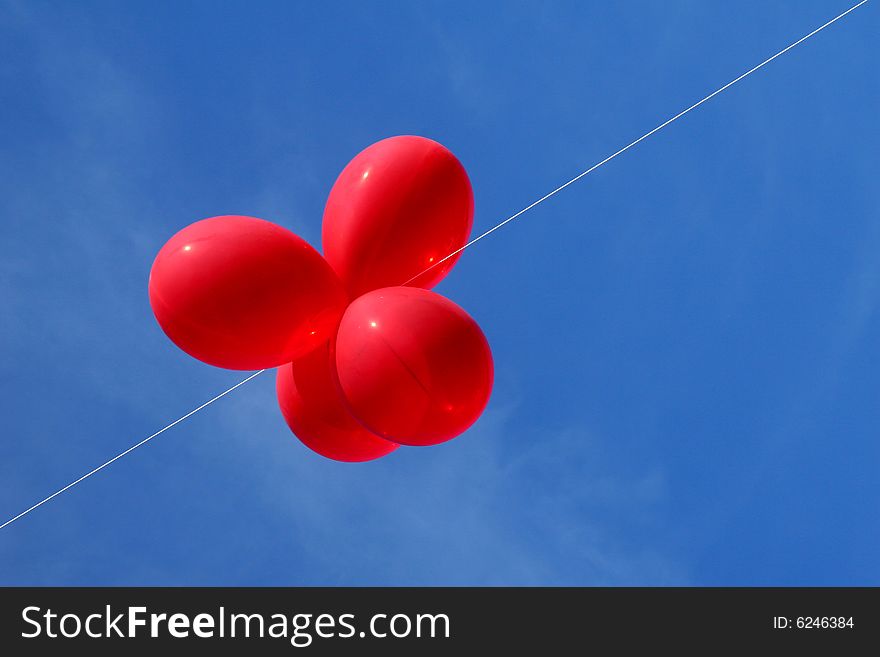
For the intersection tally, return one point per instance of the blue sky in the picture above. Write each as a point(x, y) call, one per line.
point(686, 342)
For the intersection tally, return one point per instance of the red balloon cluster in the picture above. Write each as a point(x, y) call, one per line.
point(368, 358)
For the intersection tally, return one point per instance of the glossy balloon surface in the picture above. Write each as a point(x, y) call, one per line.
point(397, 208)
point(413, 366)
point(243, 293)
point(312, 406)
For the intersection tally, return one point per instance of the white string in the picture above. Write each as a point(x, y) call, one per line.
point(130, 449)
point(633, 143)
point(454, 253)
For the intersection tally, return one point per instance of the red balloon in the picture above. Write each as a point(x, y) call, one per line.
point(414, 367)
point(399, 206)
point(243, 293)
point(311, 404)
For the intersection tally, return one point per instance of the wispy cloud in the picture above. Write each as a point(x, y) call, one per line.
point(475, 510)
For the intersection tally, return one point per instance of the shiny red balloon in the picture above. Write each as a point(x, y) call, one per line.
point(397, 208)
point(311, 404)
point(413, 366)
point(243, 293)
